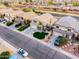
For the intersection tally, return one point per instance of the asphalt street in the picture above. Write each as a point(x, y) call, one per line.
point(61, 15)
point(36, 50)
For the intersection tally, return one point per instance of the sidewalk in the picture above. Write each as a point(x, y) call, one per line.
point(62, 13)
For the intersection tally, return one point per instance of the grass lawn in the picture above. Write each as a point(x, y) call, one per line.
point(40, 35)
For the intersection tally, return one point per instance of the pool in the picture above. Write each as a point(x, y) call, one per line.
point(13, 57)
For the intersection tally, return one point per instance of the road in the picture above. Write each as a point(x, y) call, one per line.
point(36, 49)
point(59, 14)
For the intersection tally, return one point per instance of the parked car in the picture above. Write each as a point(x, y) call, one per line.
point(2, 20)
point(57, 41)
point(23, 52)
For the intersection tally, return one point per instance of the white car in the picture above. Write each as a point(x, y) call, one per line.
point(23, 53)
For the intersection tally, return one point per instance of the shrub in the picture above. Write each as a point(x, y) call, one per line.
point(17, 25)
point(50, 2)
point(63, 41)
point(6, 4)
point(5, 55)
point(75, 3)
point(2, 16)
point(65, 3)
point(26, 10)
point(39, 13)
point(40, 35)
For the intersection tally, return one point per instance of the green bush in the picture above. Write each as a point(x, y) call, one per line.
point(5, 55)
point(26, 10)
point(75, 3)
point(65, 3)
point(63, 41)
point(50, 2)
point(40, 35)
point(2, 16)
point(23, 27)
point(6, 4)
point(9, 23)
point(38, 12)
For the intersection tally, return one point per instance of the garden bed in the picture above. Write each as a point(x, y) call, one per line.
point(9, 23)
point(23, 27)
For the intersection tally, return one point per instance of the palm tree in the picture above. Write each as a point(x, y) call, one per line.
point(40, 25)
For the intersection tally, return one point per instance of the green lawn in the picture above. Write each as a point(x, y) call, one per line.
point(40, 35)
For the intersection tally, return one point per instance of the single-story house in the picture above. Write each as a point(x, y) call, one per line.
point(10, 13)
point(45, 19)
point(28, 15)
point(68, 22)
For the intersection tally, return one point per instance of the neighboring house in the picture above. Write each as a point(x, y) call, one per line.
point(45, 19)
point(41, 2)
point(25, 16)
point(67, 21)
point(10, 13)
point(12, 0)
point(8, 18)
point(61, 1)
point(28, 15)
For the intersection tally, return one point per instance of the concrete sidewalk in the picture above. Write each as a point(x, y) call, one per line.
point(62, 13)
